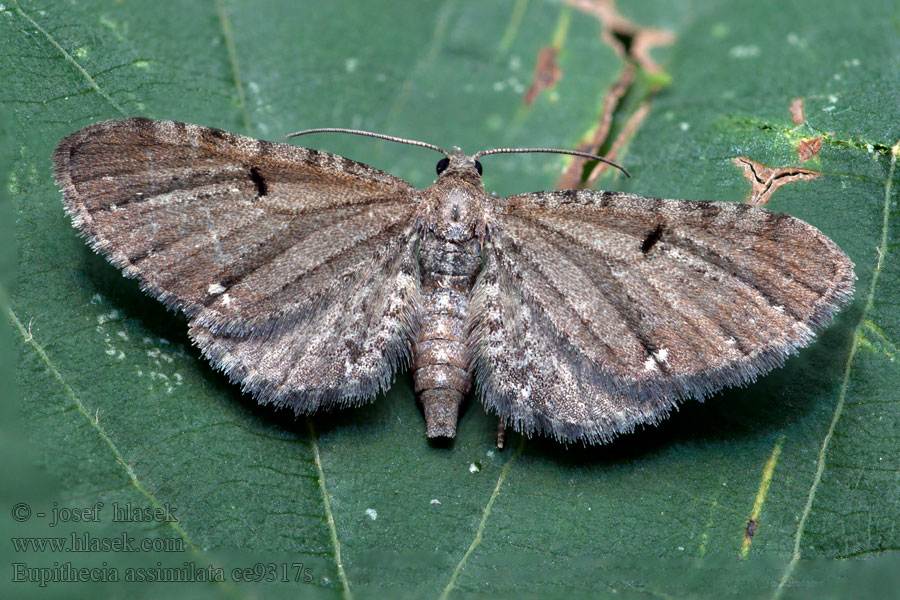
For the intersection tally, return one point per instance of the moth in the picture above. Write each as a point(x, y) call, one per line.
point(310, 279)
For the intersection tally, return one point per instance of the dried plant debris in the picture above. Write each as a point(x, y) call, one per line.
point(572, 176)
point(546, 74)
point(643, 39)
point(635, 54)
point(310, 279)
point(764, 180)
point(796, 109)
point(625, 134)
point(808, 148)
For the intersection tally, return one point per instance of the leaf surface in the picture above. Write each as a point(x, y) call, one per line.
point(119, 408)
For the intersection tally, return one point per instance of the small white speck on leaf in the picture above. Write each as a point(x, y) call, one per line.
point(110, 316)
point(373, 514)
point(748, 51)
point(795, 40)
point(473, 468)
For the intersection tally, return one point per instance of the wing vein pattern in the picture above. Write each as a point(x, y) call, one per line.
point(597, 311)
point(296, 267)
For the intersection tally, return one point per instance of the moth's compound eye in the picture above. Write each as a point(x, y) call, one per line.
point(442, 165)
point(478, 167)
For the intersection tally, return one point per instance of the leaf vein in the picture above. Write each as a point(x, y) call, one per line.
point(94, 422)
point(228, 34)
point(329, 515)
point(479, 531)
point(69, 58)
point(881, 250)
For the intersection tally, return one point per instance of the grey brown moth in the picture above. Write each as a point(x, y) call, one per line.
point(310, 279)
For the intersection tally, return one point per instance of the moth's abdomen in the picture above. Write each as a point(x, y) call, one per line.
point(440, 369)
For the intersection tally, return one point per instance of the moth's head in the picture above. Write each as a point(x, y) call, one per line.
point(459, 165)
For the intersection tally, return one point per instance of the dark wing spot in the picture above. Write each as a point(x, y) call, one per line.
point(212, 137)
point(708, 210)
point(651, 239)
point(141, 122)
point(261, 188)
point(265, 148)
point(312, 156)
point(353, 350)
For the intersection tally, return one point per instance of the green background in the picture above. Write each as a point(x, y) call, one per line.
point(116, 406)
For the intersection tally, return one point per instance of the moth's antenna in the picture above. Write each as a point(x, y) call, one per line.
point(551, 151)
point(381, 136)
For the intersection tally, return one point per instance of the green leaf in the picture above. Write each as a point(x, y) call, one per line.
point(119, 408)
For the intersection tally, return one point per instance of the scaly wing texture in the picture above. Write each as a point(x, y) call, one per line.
point(596, 311)
point(260, 244)
point(236, 232)
point(344, 353)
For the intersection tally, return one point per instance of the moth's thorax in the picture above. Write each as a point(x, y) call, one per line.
point(456, 209)
point(454, 217)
